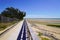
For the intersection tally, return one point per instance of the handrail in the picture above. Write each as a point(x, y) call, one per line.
point(26, 32)
point(33, 35)
point(22, 32)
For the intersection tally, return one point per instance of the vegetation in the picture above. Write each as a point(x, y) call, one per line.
point(44, 38)
point(39, 34)
point(53, 25)
point(13, 13)
point(5, 25)
point(47, 23)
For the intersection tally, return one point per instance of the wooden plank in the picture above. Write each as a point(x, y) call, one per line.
point(33, 35)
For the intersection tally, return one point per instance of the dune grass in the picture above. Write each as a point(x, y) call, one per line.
point(5, 25)
point(42, 38)
point(53, 25)
point(39, 33)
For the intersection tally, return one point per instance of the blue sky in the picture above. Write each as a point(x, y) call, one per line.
point(34, 8)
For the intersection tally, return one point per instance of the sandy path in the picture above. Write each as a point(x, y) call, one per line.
point(13, 33)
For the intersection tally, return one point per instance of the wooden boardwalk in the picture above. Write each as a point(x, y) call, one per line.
point(22, 31)
point(26, 33)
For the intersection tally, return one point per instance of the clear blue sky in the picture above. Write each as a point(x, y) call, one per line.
point(34, 8)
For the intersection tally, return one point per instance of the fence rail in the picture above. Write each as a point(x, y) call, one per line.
point(26, 33)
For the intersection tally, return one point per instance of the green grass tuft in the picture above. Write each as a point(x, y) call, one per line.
point(39, 34)
point(45, 39)
point(53, 25)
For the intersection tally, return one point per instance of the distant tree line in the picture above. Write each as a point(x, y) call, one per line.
point(13, 13)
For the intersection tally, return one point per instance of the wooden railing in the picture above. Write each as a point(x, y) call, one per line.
point(26, 32)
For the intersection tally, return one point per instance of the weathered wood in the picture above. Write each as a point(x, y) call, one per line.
point(33, 35)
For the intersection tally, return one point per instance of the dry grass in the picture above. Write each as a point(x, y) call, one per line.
point(5, 25)
point(52, 23)
point(52, 26)
point(42, 38)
